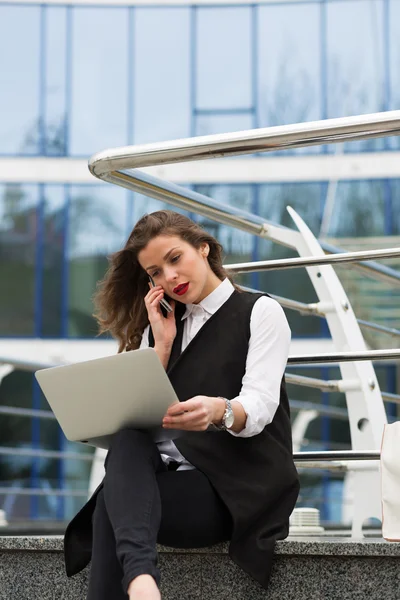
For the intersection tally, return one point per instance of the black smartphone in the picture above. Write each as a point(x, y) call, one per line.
point(163, 302)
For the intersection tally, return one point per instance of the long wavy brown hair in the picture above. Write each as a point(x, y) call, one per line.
point(119, 298)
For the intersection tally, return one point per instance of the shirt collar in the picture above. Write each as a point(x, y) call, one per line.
point(213, 301)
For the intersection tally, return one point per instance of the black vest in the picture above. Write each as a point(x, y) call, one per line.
point(255, 476)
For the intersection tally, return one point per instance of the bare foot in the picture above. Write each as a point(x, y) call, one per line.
point(143, 587)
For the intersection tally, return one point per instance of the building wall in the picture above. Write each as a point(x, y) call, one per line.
point(76, 78)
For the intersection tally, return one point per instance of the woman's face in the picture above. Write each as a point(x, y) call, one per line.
point(182, 270)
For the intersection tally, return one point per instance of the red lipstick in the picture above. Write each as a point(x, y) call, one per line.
point(181, 289)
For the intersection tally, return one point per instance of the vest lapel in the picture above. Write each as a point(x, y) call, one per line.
point(176, 354)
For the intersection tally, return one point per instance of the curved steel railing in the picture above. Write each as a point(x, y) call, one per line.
point(115, 166)
point(268, 139)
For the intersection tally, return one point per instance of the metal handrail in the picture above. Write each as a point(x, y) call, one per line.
point(298, 456)
point(294, 263)
point(338, 385)
point(372, 270)
point(375, 327)
point(42, 492)
point(388, 397)
point(26, 365)
point(302, 359)
point(232, 216)
point(268, 139)
point(313, 382)
point(335, 412)
point(34, 452)
point(314, 309)
point(105, 165)
point(329, 455)
point(27, 412)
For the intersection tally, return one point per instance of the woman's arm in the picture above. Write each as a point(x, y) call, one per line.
point(265, 365)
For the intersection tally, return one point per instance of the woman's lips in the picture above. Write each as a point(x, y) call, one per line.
point(181, 289)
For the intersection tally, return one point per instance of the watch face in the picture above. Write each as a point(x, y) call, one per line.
point(229, 419)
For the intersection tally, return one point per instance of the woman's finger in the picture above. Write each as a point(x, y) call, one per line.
point(156, 299)
point(188, 405)
point(152, 293)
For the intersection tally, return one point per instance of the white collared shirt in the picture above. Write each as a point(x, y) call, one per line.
point(265, 364)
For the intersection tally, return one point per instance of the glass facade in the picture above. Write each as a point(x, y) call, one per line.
point(81, 78)
point(78, 79)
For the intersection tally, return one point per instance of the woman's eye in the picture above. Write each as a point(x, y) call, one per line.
point(176, 258)
point(155, 274)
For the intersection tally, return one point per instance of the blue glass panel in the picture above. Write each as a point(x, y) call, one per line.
point(209, 124)
point(97, 227)
point(355, 77)
point(99, 94)
point(359, 209)
point(55, 82)
point(238, 245)
point(289, 73)
point(305, 198)
point(53, 260)
point(395, 186)
point(224, 69)
point(19, 79)
point(161, 75)
point(394, 50)
point(18, 230)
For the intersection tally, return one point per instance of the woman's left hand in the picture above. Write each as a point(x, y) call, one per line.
point(195, 414)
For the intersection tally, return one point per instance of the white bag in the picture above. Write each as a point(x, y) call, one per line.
point(390, 482)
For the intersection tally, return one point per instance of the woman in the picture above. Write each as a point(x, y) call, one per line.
point(230, 474)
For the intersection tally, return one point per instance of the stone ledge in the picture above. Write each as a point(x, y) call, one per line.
point(32, 568)
point(295, 546)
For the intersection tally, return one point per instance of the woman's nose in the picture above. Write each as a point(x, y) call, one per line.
point(170, 275)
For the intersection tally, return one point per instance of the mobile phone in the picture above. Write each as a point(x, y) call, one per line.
point(163, 302)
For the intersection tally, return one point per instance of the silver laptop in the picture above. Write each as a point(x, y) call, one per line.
point(94, 399)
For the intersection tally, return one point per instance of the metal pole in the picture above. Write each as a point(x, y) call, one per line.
point(268, 139)
point(305, 457)
point(344, 357)
point(228, 215)
point(294, 263)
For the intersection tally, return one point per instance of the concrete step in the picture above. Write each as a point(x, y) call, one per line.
point(325, 568)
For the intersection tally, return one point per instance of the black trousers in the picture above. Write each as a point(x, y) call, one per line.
point(142, 503)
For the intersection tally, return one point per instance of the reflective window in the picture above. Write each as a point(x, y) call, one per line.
point(160, 73)
point(209, 124)
point(223, 69)
point(55, 82)
point(394, 56)
point(99, 94)
point(19, 79)
point(358, 209)
point(18, 237)
point(395, 197)
point(96, 228)
point(238, 245)
point(53, 261)
point(295, 284)
point(289, 65)
point(355, 70)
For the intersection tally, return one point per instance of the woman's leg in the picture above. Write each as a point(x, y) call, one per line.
point(193, 516)
point(132, 503)
point(105, 580)
point(127, 520)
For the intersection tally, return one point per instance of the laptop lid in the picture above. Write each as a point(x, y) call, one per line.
point(97, 398)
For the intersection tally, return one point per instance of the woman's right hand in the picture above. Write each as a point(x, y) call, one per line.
point(164, 328)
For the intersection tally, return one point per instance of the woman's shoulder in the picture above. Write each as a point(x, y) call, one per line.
point(267, 308)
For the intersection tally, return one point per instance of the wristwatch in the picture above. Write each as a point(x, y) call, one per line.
point(229, 418)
